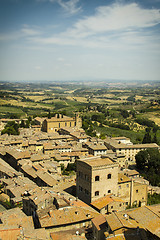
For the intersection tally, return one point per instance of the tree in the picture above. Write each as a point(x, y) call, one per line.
point(147, 138)
point(155, 138)
point(49, 114)
point(124, 113)
point(22, 124)
point(148, 161)
point(141, 160)
point(11, 128)
point(155, 129)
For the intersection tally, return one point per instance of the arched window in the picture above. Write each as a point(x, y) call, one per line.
point(109, 191)
point(97, 193)
point(96, 178)
point(109, 176)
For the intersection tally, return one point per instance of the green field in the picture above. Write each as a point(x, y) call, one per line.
point(22, 100)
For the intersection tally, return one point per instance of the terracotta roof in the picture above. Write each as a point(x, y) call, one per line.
point(61, 119)
point(102, 202)
point(48, 146)
point(123, 178)
point(99, 221)
point(66, 216)
point(10, 234)
point(65, 236)
point(116, 145)
point(29, 170)
point(97, 147)
point(46, 177)
point(149, 217)
point(97, 161)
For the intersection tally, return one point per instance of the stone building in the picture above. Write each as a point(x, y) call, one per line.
point(129, 151)
point(96, 177)
point(60, 121)
point(99, 184)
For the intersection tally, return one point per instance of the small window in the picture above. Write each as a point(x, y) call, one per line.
point(119, 187)
point(70, 124)
point(109, 176)
point(96, 178)
point(86, 192)
point(126, 203)
point(97, 193)
point(137, 191)
point(127, 185)
point(111, 207)
point(59, 125)
point(109, 191)
point(65, 124)
point(120, 204)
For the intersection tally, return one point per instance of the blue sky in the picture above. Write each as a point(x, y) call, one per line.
point(79, 40)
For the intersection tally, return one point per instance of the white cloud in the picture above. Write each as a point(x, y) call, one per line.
point(110, 25)
point(117, 17)
point(29, 31)
point(70, 6)
point(25, 31)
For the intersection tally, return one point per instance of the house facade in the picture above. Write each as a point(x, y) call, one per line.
point(59, 121)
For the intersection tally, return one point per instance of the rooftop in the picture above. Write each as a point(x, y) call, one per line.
point(98, 161)
point(66, 216)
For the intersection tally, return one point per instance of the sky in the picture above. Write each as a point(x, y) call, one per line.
point(63, 40)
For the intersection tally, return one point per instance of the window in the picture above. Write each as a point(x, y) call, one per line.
point(96, 178)
point(120, 204)
point(65, 124)
point(59, 125)
point(111, 207)
point(127, 185)
point(109, 191)
point(137, 191)
point(126, 203)
point(86, 192)
point(80, 189)
point(119, 187)
point(109, 176)
point(70, 124)
point(97, 193)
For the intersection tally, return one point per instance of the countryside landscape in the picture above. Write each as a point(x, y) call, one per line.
point(80, 120)
point(76, 157)
point(127, 110)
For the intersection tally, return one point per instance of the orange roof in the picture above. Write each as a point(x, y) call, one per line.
point(60, 236)
point(98, 161)
point(10, 234)
point(98, 221)
point(123, 178)
point(102, 202)
point(79, 203)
